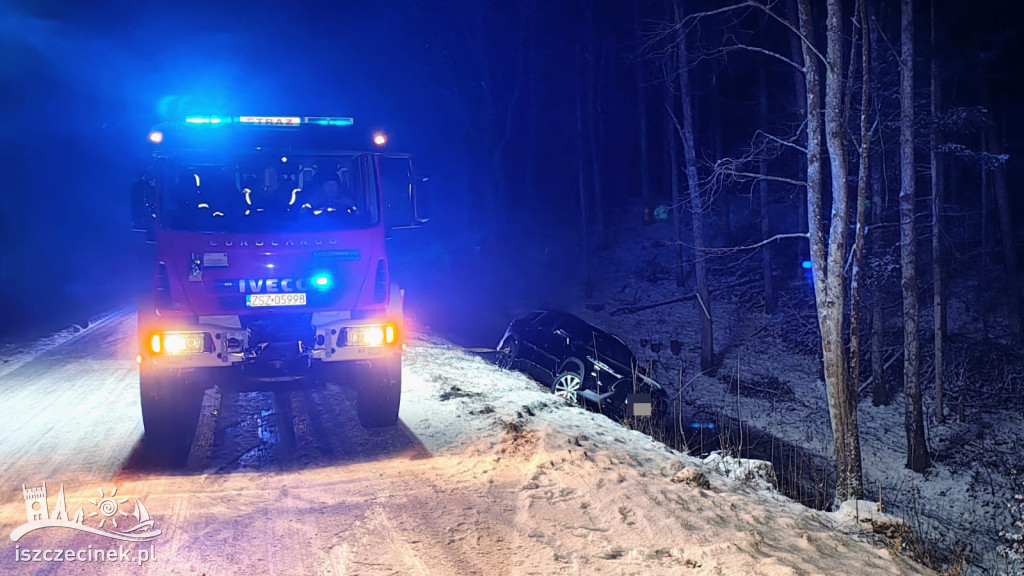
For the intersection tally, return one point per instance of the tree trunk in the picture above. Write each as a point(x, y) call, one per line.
point(696, 208)
point(1006, 231)
point(917, 449)
point(721, 234)
point(800, 90)
point(831, 308)
point(671, 150)
point(827, 267)
point(879, 388)
point(588, 285)
point(646, 192)
point(770, 301)
point(677, 197)
point(993, 144)
point(985, 191)
point(938, 300)
point(862, 200)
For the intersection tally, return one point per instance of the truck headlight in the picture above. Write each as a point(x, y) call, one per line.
point(181, 343)
point(375, 335)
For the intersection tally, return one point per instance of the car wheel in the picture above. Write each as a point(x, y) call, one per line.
point(508, 353)
point(567, 386)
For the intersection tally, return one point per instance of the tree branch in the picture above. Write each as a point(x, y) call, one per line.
point(727, 49)
point(748, 4)
point(788, 143)
point(641, 307)
point(762, 242)
point(755, 176)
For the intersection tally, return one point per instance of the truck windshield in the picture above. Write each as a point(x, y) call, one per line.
point(269, 194)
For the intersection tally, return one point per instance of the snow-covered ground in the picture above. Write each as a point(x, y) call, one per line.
point(486, 474)
point(959, 506)
point(14, 354)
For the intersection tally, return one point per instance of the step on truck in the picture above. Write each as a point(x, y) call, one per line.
point(270, 265)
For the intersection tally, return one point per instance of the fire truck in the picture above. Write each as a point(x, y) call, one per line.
point(270, 264)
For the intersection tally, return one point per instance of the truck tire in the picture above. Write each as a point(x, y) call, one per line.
point(168, 403)
point(379, 396)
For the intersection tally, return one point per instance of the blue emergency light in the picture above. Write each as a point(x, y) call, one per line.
point(206, 120)
point(322, 281)
point(806, 265)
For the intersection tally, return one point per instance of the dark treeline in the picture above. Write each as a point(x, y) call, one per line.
point(885, 129)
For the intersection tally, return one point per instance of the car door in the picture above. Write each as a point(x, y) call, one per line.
point(535, 340)
point(551, 347)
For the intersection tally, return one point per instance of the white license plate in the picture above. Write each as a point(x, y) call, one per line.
point(285, 299)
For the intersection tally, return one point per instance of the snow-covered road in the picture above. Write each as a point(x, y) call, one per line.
point(486, 474)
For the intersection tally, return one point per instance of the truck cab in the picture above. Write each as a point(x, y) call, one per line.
point(271, 266)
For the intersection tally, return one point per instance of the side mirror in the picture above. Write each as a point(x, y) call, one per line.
point(421, 193)
point(143, 202)
point(404, 194)
point(563, 334)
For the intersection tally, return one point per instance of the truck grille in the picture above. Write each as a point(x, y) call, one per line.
point(274, 328)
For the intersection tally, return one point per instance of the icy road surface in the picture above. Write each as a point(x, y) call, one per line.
point(486, 474)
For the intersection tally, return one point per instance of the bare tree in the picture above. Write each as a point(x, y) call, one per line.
point(879, 387)
point(827, 258)
point(917, 449)
point(770, 301)
point(862, 196)
point(483, 91)
point(939, 303)
point(994, 145)
point(800, 93)
point(696, 205)
point(827, 263)
point(677, 197)
point(646, 191)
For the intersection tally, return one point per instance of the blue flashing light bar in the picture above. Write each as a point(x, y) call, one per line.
point(272, 120)
point(327, 121)
point(806, 265)
point(206, 120)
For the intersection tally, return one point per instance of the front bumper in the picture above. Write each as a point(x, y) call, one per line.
point(234, 346)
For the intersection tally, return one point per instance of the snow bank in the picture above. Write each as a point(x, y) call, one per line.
point(602, 498)
point(770, 380)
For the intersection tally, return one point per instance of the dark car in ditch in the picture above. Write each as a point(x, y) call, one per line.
point(580, 363)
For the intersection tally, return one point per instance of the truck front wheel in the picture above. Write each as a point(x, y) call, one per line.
point(168, 402)
point(380, 392)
